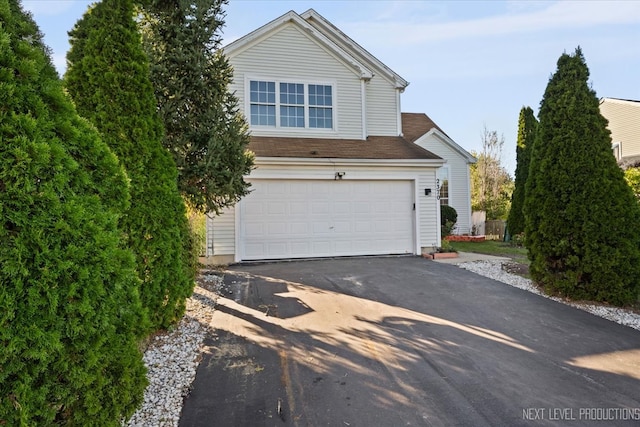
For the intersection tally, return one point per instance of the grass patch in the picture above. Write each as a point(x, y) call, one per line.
point(493, 247)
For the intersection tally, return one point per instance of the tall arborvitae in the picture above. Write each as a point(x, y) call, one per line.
point(70, 313)
point(205, 131)
point(582, 220)
point(527, 125)
point(108, 78)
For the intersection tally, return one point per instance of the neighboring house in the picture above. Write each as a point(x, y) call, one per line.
point(624, 123)
point(339, 169)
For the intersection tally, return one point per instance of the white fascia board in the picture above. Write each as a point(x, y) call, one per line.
point(255, 36)
point(327, 28)
point(450, 142)
point(304, 161)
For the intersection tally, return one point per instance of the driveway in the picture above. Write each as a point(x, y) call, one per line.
point(406, 341)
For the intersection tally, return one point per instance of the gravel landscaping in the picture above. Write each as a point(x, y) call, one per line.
point(173, 357)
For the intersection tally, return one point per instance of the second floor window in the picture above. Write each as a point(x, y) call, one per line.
point(290, 105)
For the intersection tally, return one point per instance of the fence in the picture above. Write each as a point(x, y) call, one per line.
point(494, 229)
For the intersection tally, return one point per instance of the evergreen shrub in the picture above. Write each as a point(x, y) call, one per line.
point(108, 78)
point(582, 221)
point(448, 220)
point(70, 313)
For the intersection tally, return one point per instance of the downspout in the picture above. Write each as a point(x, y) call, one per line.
point(363, 97)
point(399, 113)
point(616, 150)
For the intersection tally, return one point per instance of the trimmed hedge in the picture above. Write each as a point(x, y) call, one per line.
point(108, 78)
point(70, 312)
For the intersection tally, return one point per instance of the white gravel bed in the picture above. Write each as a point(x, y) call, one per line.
point(173, 357)
point(493, 270)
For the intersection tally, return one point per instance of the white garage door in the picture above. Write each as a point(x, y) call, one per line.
point(304, 218)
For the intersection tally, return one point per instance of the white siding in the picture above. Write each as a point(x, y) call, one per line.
point(624, 124)
point(382, 108)
point(459, 184)
point(290, 54)
point(429, 208)
point(221, 233)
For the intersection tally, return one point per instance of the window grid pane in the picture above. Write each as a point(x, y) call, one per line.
point(320, 95)
point(262, 96)
point(321, 118)
point(291, 116)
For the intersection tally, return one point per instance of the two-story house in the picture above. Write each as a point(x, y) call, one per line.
point(624, 123)
point(339, 170)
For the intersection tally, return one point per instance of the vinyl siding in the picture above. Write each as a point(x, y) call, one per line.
point(382, 108)
point(459, 185)
point(290, 55)
point(428, 216)
point(624, 124)
point(221, 232)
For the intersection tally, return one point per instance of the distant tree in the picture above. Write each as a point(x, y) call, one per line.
point(491, 185)
point(527, 125)
point(108, 78)
point(70, 313)
point(582, 221)
point(205, 131)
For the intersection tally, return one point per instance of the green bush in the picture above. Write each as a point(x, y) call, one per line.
point(448, 220)
point(527, 125)
point(70, 312)
point(582, 220)
point(108, 78)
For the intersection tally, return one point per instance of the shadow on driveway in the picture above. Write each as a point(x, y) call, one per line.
point(406, 341)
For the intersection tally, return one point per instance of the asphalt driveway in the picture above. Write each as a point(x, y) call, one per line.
point(406, 341)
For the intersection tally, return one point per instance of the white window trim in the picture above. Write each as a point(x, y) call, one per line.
point(289, 129)
point(438, 184)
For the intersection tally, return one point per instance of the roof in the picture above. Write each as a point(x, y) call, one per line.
point(374, 147)
point(414, 125)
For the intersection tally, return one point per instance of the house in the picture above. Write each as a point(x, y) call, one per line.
point(624, 123)
point(339, 169)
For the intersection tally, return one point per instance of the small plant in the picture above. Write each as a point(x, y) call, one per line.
point(445, 246)
point(448, 219)
point(518, 240)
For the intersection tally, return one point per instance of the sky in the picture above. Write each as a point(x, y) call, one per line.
point(471, 65)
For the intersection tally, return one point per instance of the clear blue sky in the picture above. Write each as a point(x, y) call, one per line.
point(469, 63)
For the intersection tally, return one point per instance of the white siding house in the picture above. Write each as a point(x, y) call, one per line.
point(339, 170)
point(624, 123)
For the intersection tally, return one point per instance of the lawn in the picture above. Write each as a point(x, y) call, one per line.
point(493, 247)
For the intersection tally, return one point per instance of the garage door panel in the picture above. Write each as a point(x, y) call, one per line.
point(293, 219)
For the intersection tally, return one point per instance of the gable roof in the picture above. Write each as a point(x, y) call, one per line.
point(416, 126)
point(326, 35)
point(349, 45)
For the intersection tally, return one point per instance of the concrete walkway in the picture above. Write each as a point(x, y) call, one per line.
point(471, 257)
